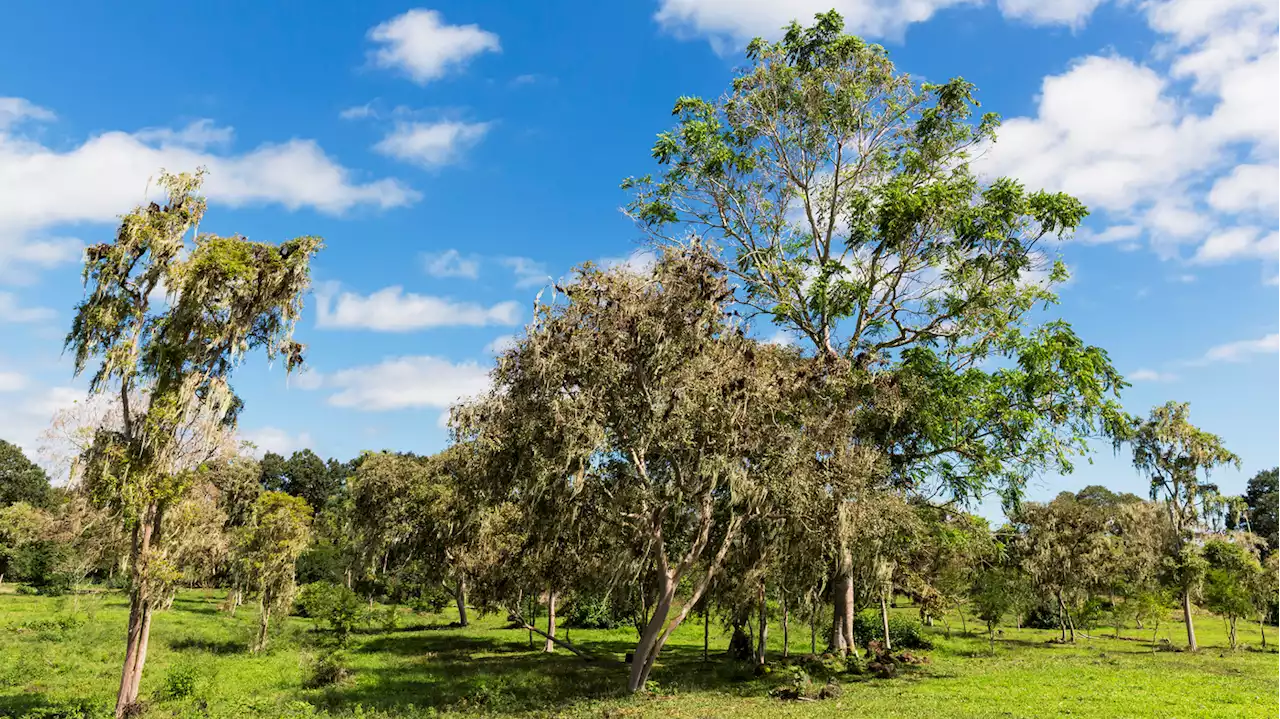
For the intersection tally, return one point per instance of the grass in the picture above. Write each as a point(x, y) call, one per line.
point(198, 666)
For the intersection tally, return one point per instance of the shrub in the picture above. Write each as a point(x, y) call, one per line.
point(72, 709)
point(328, 669)
point(335, 605)
point(904, 633)
point(1042, 616)
point(180, 682)
point(432, 600)
point(594, 611)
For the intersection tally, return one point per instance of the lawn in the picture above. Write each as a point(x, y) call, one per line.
point(427, 667)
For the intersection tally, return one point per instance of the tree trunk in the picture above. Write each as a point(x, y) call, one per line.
point(140, 608)
point(813, 627)
point(1262, 630)
point(646, 649)
point(786, 629)
point(762, 636)
point(460, 597)
point(1062, 622)
point(884, 621)
point(1233, 634)
point(706, 633)
point(1191, 627)
point(550, 645)
point(991, 635)
point(264, 617)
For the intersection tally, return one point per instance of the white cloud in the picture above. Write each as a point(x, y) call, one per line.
point(1247, 188)
point(430, 144)
point(1050, 12)
point(730, 24)
point(1241, 350)
point(1150, 375)
point(12, 381)
point(528, 272)
point(500, 344)
point(308, 379)
point(357, 112)
point(26, 414)
point(781, 338)
point(638, 262)
point(451, 263)
point(1234, 243)
point(12, 311)
point(407, 382)
point(274, 439)
point(421, 45)
point(16, 109)
point(1112, 234)
point(393, 310)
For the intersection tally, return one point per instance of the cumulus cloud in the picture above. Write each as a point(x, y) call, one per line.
point(43, 186)
point(451, 263)
point(1049, 12)
point(12, 381)
point(393, 310)
point(430, 144)
point(638, 262)
point(420, 44)
point(1242, 349)
point(407, 383)
point(274, 439)
point(500, 344)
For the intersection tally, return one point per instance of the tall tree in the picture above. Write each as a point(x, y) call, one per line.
point(227, 296)
point(1263, 502)
point(1231, 577)
point(309, 477)
point(842, 193)
point(268, 551)
point(21, 480)
point(638, 385)
point(1177, 457)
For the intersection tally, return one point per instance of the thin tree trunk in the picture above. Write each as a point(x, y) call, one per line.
point(813, 625)
point(1062, 622)
point(264, 617)
point(1233, 634)
point(706, 633)
point(884, 621)
point(786, 629)
point(460, 597)
point(991, 635)
point(641, 660)
point(762, 636)
point(139, 613)
point(1191, 627)
point(1263, 632)
point(550, 645)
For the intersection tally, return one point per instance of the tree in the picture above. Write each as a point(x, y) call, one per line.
point(21, 480)
point(227, 296)
point(1230, 581)
point(1174, 454)
point(267, 552)
point(637, 394)
point(1261, 498)
point(997, 591)
point(21, 525)
point(309, 477)
point(842, 197)
point(273, 476)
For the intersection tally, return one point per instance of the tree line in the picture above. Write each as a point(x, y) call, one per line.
point(640, 455)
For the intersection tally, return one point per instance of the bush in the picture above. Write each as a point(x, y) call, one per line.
point(432, 600)
point(335, 605)
point(54, 629)
point(180, 682)
point(903, 633)
point(37, 563)
point(73, 709)
point(1042, 616)
point(328, 669)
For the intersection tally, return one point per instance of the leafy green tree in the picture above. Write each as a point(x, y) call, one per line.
point(268, 550)
point(21, 480)
point(1175, 454)
point(997, 591)
point(227, 297)
point(309, 477)
point(1262, 499)
point(21, 525)
point(637, 394)
point(841, 194)
point(1230, 581)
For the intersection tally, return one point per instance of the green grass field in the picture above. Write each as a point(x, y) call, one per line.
point(424, 667)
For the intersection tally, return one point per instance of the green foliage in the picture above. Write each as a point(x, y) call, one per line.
point(338, 607)
point(904, 633)
point(595, 611)
point(328, 669)
point(180, 681)
point(39, 564)
point(1263, 502)
point(21, 480)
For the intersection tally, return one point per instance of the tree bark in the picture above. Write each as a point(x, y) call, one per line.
point(140, 607)
point(460, 597)
point(264, 617)
point(884, 621)
point(813, 626)
point(1233, 633)
point(1191, 627)
point(706, 634)
point(550, 645)
point(1262, 630)
point(786, 629)
point(762, 635)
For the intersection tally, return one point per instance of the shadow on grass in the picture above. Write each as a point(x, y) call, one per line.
point(498, 673)
point(27, 704)
point(210, 646)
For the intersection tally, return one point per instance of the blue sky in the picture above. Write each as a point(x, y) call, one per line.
point(456, 155)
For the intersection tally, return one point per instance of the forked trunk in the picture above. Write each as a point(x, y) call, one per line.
point(1191, 627)
point(550, 645)
point(647, 649)
point(264, 617)
point(140, 608)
